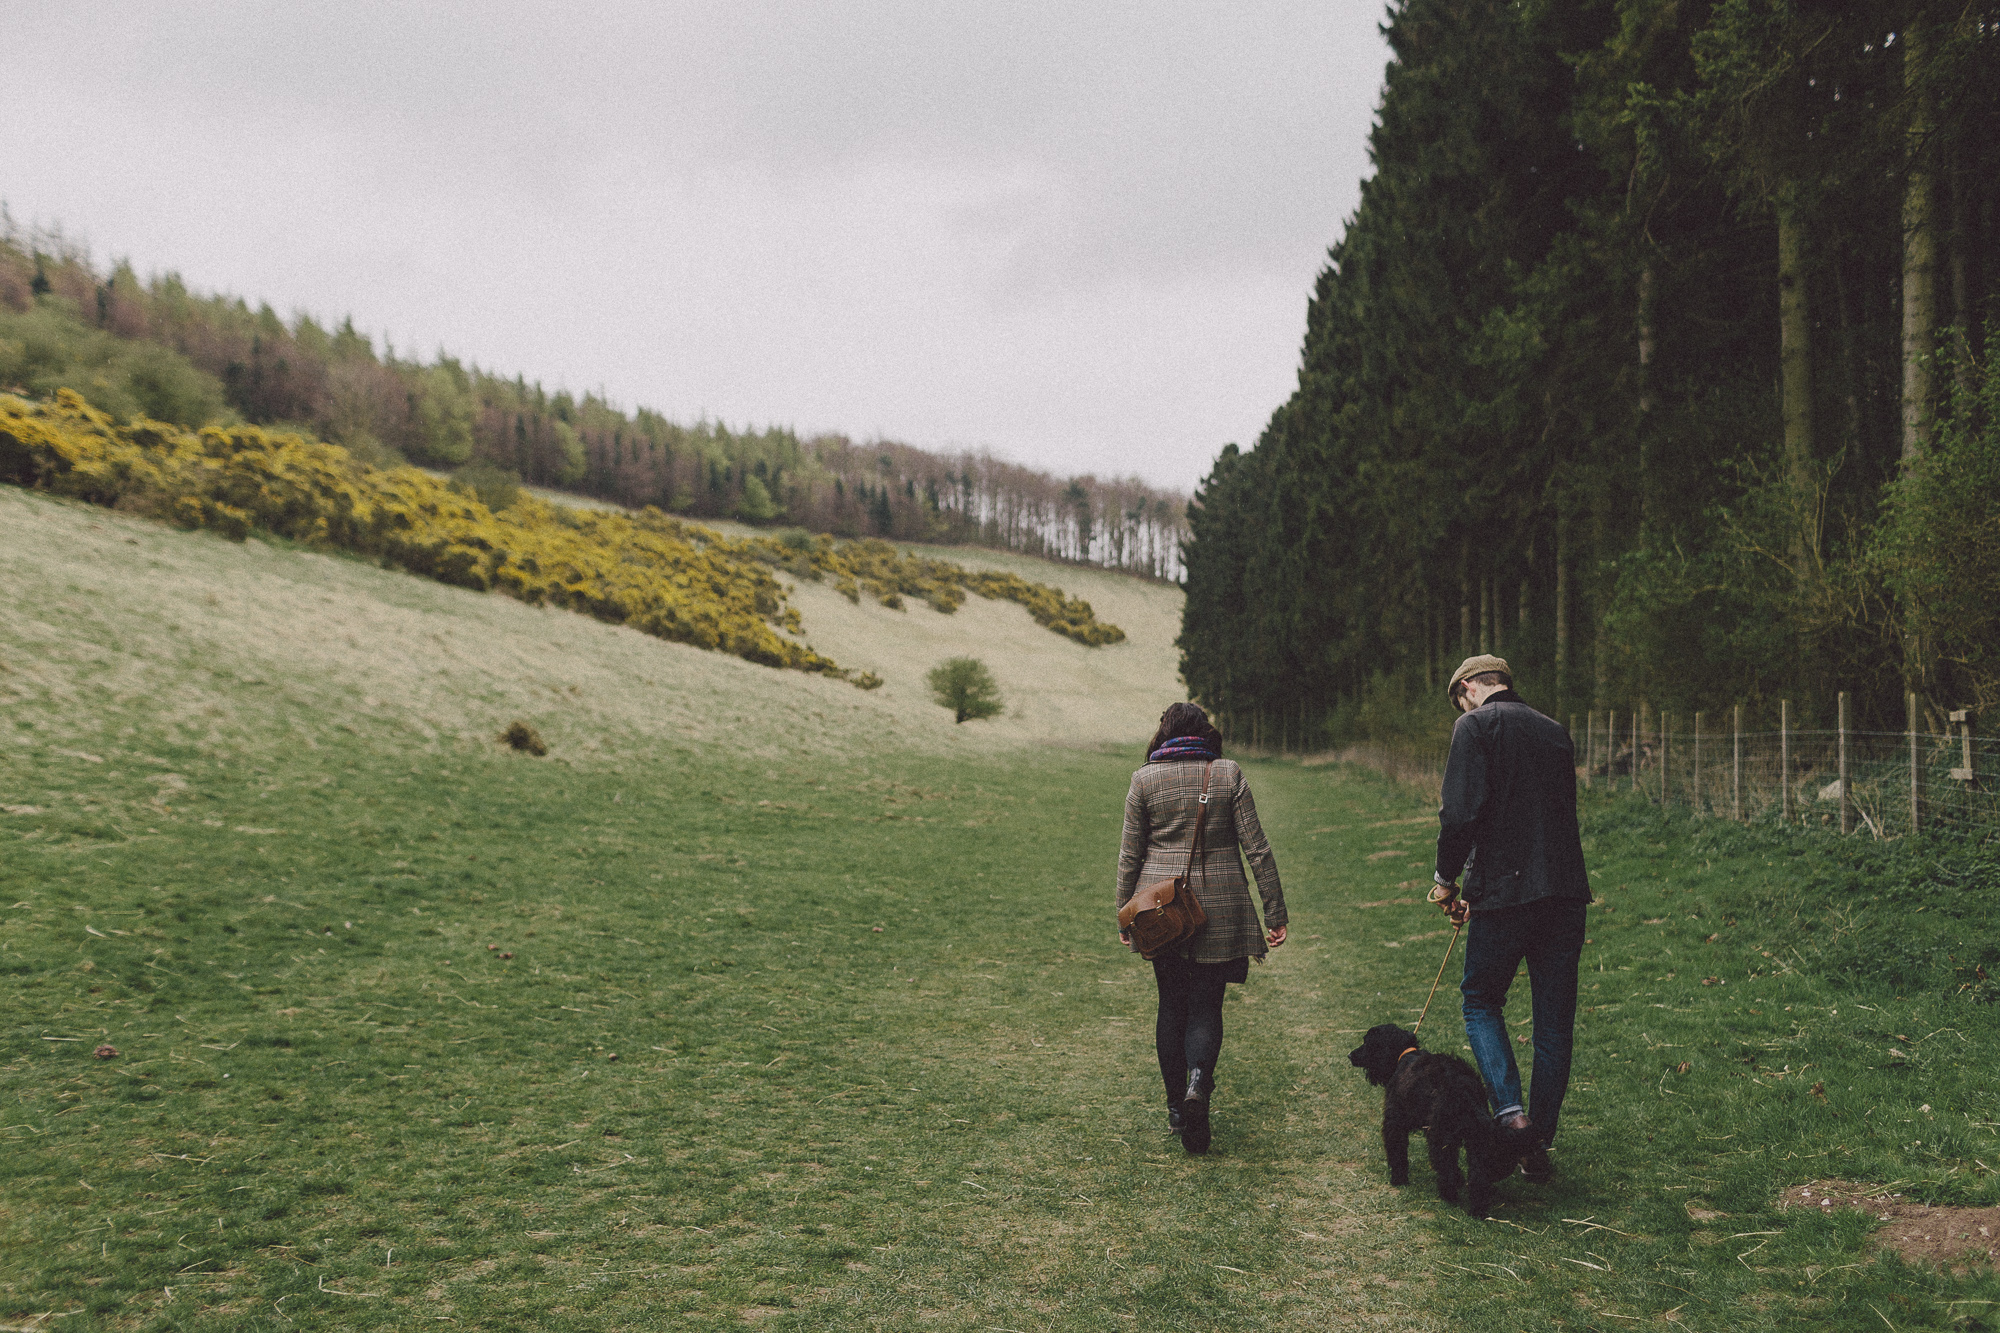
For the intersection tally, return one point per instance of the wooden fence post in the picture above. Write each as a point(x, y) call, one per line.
point(1666, 760)
point(1916, 769)
point(1638, 739)
point(1610, 749)
point(1697, 763)
point(1846, 795)
point(1785, 760)
point(1597, 743)
point(1736, 773)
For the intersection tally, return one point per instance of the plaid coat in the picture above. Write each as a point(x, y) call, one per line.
point(1160, 812)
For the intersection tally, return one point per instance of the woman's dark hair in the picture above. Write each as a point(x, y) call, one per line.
point(1184, 720)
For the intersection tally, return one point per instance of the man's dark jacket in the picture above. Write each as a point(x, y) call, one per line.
point(1509, 814)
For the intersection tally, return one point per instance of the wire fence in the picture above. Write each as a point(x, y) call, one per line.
point(1885, 783)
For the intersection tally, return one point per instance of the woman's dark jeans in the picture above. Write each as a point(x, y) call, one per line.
point(1188, 1034)
point(1548, 936)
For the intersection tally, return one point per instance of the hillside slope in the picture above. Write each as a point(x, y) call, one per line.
point(109, 613)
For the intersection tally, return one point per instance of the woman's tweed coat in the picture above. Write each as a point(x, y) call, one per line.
point(1159, 833)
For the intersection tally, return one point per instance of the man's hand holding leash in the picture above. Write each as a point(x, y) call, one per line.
point(1445, 895)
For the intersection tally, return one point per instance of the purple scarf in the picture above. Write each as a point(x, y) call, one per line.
point(1185, 747)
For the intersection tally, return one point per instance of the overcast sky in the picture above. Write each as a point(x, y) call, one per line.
point(1081, 235)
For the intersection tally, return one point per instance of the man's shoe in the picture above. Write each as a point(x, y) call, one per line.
point(1175, 1120)
point(1194, 1112)
point(1536, 1166)
point(1512, 1130)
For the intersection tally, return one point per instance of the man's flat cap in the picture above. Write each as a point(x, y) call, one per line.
point(1477, 666)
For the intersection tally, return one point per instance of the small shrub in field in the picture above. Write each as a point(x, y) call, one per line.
point(868, 680)
point(524, 737)
point(964, 685)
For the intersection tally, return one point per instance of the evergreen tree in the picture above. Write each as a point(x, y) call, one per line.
point(966, 687)
point(1631, 328)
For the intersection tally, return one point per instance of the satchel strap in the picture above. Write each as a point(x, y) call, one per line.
point(1201, 822)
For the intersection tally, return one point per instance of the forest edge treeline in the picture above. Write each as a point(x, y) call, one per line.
point(153, 348)
point(1654, 357)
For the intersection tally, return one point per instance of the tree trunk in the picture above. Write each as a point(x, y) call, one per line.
point(1430, 635)
point(1441, 629)
point(1485, 613)
point(1963, 315)
point(1795, 381)
point(1562, 618)
point(1648, 502)
point(1465, 597)
point(1919, 251)
point(1563, 633)
point(1985, 222)
point(1600, 642)
point(1850, 369)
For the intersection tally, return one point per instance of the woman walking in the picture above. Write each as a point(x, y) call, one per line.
point(1161, 811)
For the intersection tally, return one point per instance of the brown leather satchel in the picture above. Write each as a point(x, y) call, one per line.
point(1161, 914)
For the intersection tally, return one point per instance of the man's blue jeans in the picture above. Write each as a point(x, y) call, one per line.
point(1548, 936)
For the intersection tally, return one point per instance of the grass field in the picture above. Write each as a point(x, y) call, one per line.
point(878, 1062)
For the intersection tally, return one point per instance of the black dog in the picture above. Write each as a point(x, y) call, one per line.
point(1443, 1096)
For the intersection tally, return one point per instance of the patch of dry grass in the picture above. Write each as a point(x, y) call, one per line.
point(115, 621)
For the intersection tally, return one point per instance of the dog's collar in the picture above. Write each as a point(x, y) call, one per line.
point(1411, 1051)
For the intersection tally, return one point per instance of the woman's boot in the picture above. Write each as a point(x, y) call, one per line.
point(1176, 1081)
point(1194, 1112)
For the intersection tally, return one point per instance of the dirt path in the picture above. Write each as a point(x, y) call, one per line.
point(1364, 1247)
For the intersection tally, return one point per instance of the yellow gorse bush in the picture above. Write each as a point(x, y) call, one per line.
point(666, 578)
point(887, 574)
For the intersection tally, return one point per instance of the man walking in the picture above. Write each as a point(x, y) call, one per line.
point(1508, 823)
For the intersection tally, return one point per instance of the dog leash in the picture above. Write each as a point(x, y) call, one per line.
point(1451, 944)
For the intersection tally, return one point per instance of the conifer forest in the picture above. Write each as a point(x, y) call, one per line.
point(1657, 356)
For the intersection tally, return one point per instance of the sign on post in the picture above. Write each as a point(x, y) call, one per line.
point(1962, 719)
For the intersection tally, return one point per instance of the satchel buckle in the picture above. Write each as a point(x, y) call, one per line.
point(1202, 799)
